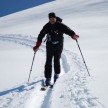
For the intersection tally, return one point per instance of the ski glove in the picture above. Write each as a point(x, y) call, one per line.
point(38, 43)
point(75, 37)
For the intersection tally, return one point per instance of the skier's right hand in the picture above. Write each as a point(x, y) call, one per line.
point(38, 43)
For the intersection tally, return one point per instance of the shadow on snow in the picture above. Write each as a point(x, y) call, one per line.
point(22, 88)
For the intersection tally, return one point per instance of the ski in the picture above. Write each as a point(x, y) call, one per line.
point(46, 87)
point(51, 86)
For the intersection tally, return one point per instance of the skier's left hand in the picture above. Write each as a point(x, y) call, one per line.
point(75, 37)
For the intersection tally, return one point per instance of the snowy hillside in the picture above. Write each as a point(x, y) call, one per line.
point(74, 89)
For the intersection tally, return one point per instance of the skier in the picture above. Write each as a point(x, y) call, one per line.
point(54, 45)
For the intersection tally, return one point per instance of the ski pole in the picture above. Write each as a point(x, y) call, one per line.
point(32, 65)
point(82, 57)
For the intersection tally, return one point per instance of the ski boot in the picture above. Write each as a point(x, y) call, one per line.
point(56, 76)
point(48, 82)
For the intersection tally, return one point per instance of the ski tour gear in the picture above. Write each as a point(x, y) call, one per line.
point(55, 32)
point(43, 88)
point(58, 19)
point(82, 57)
point(48, 81)
point(47, 84)
point(56, 76)
point(51, 15)
point(54, 42)
point(32, 65)
point(38, 44)
point(54, 45)
point(53, 50)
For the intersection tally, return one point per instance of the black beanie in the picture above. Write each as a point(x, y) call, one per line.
point(52, 15)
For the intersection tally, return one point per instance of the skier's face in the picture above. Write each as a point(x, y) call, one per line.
point(52, 20)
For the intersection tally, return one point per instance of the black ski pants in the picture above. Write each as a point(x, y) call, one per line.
point(53, 51)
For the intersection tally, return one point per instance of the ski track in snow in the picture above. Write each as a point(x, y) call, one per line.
point(77, 90)
point(31, 94)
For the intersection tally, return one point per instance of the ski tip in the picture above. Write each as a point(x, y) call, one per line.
point(43, 89)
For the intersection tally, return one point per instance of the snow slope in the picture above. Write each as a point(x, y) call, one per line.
point(74, 89)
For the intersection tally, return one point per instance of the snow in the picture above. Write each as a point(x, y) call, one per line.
point(74, 88)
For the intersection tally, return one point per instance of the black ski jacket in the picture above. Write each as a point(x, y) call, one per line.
point(55, 32)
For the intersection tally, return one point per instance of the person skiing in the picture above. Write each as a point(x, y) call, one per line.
point(54, 44)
